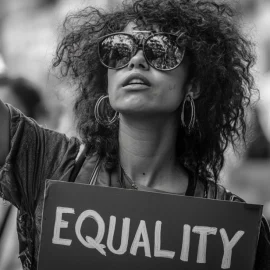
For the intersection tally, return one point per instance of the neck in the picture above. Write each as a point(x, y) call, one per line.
point(147, 152)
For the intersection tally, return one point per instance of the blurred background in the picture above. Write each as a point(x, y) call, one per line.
point(29, 32)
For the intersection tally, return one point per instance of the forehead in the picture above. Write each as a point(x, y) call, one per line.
point(132, 27)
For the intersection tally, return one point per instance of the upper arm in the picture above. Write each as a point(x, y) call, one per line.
point(35, 154)
point(4, 133)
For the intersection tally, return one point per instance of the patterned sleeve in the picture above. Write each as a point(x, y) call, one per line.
point(36, 153)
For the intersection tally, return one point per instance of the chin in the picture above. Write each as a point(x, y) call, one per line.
point(145, 113)
point(132, 111)
point(129, 107)
point(139, 109)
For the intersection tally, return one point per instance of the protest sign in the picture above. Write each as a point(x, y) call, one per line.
point(92, 227)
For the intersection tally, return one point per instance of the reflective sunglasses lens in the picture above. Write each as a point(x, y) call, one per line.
point(162, 52)
point(115, 51)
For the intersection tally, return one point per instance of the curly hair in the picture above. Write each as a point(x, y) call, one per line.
point(221, 59)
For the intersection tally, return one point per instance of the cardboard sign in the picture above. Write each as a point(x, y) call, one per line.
point(92, 227)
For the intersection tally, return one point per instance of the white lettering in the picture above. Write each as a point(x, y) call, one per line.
point(141, 231)
point(157, 251)
point(59, 223)
point(204, 232)
point(90, 242)
point(185, 243)
point(124, 237)
point(228, 246)
point(141, 238)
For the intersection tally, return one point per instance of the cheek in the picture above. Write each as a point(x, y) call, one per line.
point(112, 87)
point(114, 77)
point(177, 86)
point(174, 93)
point(110, 76)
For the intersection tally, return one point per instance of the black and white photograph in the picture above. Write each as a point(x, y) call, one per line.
point(134, 134)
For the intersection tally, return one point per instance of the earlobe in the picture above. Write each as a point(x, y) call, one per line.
point(193, 89)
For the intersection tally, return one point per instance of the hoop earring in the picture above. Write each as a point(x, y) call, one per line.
point(104, 121)
point(190, 126)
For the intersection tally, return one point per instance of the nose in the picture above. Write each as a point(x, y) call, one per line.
point(138, 61)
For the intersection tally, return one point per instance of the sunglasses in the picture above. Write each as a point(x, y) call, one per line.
point(160, 50)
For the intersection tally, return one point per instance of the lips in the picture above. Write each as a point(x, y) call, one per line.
point(135, 79)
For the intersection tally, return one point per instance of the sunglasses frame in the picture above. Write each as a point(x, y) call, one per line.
point(140, 46)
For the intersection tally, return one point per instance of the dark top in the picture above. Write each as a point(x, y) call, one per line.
point(38, 154)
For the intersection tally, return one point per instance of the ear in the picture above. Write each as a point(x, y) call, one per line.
point(193, 89)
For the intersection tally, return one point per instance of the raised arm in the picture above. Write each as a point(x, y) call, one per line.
point(4, 132)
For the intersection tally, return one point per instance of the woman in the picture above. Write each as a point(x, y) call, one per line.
point(162, 87)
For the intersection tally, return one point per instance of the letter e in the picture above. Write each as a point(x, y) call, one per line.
point(59, 223)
